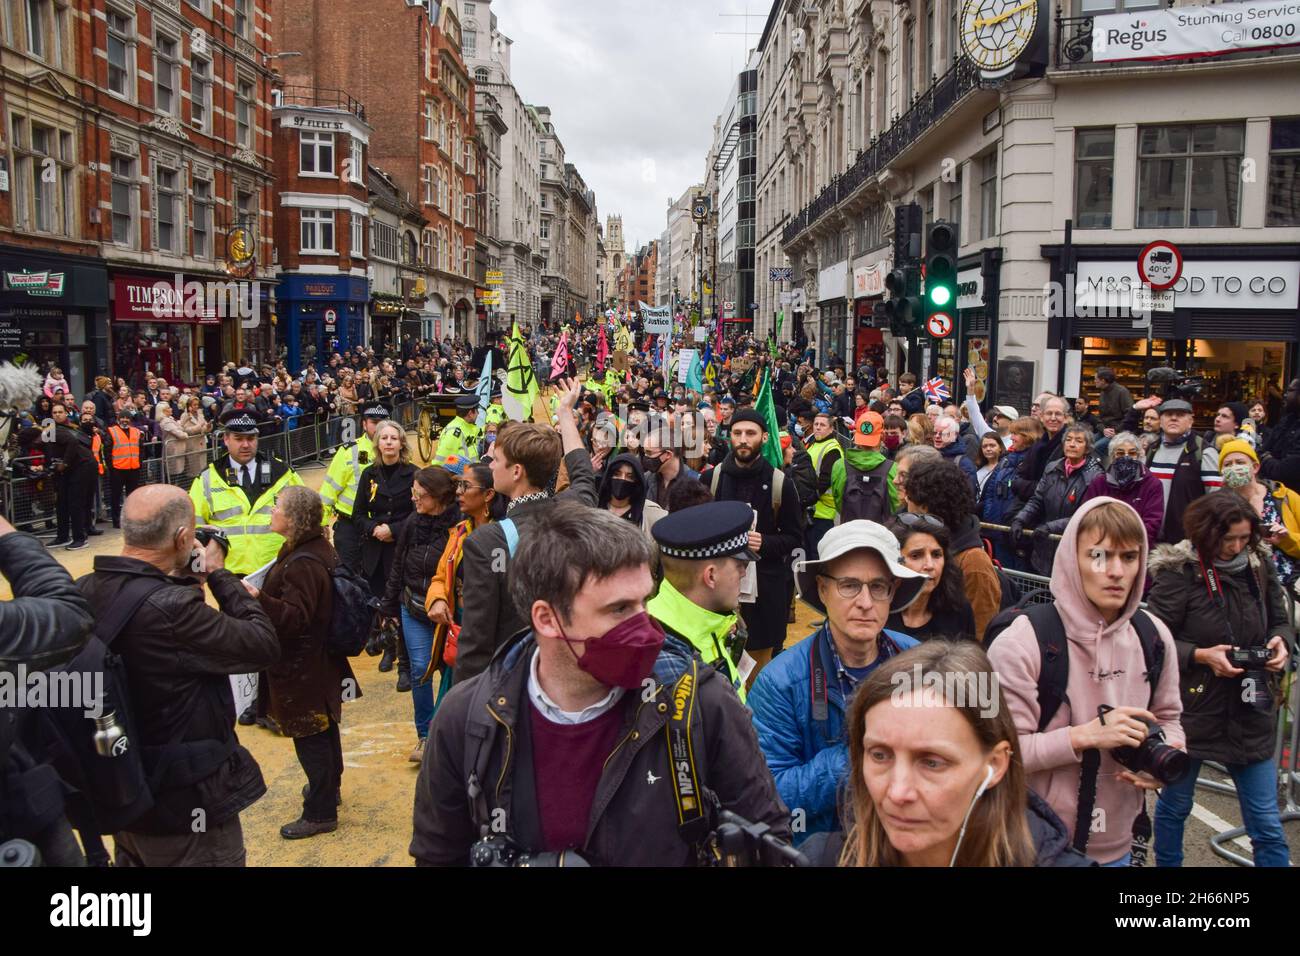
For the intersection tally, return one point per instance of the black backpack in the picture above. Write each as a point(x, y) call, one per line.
point(1054, 674)
point(111, 791)
point(866, 493)
point(354, 610)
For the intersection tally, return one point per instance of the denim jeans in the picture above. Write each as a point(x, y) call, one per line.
point(1125, 860)
point(1256, 792)
point(418, 634)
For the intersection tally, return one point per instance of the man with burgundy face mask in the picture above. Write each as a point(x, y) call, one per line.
point(561, 744)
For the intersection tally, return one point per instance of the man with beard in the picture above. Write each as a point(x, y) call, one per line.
point(745, 475)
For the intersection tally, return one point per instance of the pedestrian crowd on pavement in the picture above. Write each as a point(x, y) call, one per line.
point(1026, 621)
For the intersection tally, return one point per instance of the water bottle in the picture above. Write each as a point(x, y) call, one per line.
point(110, 736)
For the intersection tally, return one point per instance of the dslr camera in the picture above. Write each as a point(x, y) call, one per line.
point(738, 842)
point(500, 851)
point(1167, 764)
point(1250, 658)
point(1256, 688)
point(205, 536)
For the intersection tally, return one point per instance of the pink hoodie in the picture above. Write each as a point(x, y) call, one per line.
point(1106, 667)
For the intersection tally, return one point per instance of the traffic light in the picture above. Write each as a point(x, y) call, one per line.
point(906, 309)
point(941, 272)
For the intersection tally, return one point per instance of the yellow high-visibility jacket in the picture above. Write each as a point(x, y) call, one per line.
point(338, 492)
point(219, 502)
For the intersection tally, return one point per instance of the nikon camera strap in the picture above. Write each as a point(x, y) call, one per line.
point(693, 821)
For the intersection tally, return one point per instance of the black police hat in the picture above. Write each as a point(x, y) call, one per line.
point(719, 529)
point(376, 412)
point(466, 402)
point(240, 423)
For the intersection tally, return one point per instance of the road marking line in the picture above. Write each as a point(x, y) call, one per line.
point(1218, 824)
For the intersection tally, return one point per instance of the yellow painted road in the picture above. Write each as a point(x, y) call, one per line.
point(378, 734)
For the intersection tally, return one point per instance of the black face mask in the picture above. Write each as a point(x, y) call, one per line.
point(650, 465)
point(622, 489)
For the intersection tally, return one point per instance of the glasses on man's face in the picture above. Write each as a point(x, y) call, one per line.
point(910, 520)
point(880, 589)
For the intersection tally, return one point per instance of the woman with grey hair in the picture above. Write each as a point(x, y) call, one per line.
point(308, 682)
point(1128, 479)
point(1058, 496)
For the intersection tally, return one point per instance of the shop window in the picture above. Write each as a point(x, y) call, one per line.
point(121, 52)
point(200, 92)
point(166, 74)
point(316, 154)
point(1189, 175)
point(1284, 173)
point(244, 112)
point(988, 166)
point(167, 208)
point(1094, 175)
point(124, 185)
point(202, 219)
point(317, 231)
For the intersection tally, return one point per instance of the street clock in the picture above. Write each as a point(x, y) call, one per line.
point(997, 33)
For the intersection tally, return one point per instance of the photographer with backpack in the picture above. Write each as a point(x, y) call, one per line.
point(309, 682)
point(178, 654)
point(1219, 593)
point(44, 626)
point(1092, 682)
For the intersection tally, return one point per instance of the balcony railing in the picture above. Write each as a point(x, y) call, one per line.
point(320, 97)
point(927, 110)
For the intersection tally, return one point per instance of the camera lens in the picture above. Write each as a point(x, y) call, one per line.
point(1166, 763)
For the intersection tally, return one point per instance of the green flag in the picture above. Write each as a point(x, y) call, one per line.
point(521, 382)
point(765, 407)
point(780, 321)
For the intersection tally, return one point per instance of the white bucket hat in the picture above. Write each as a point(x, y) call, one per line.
point(852, 536)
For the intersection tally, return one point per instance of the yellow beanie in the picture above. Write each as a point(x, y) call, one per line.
point(1238, 445)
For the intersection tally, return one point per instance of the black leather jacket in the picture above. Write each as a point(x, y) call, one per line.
point(179, 655)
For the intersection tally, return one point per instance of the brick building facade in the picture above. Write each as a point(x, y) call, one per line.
point(137, 148)
point(409, 71)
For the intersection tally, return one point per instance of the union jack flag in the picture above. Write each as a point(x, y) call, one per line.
point(937, 391)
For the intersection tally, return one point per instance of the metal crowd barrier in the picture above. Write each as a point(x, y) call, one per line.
point(29, 501)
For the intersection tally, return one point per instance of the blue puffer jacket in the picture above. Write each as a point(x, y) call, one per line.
point(808, 761)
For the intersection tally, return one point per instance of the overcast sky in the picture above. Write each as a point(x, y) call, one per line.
point(634, 87)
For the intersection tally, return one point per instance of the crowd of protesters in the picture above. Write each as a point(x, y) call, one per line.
point(645, 538)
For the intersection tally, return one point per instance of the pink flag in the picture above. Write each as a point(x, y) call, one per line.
point(560, 360)
point(602, 351)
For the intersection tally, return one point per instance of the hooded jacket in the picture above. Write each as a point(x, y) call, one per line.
point(1218, 724)
point(634, 813)
point(644, 512)
point(957, 452)
point(1106, 667)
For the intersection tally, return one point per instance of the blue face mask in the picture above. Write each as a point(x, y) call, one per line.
point(798, 429)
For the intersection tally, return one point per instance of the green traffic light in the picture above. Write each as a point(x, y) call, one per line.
point(941, 295)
